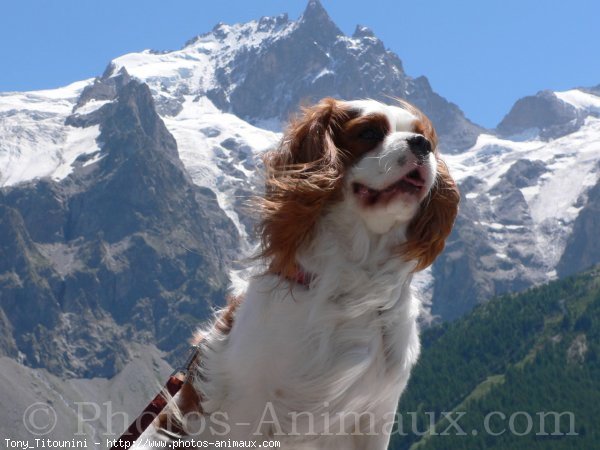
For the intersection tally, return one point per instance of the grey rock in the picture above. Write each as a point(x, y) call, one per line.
point(544, 113)
point(470, 271)
point(87, 410)
point(583, 246)
point(593, 90)
point(104, 87)
point(524, 173)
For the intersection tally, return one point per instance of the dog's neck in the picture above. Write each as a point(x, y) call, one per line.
point(346, 260)
point(341, 238)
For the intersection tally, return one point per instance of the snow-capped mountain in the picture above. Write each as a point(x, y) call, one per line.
point(523, 200)
point(262, 70)
point(124, 196)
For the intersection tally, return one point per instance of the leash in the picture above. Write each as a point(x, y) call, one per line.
point(158, 403)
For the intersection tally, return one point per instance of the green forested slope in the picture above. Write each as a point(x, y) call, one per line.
point(520, 372)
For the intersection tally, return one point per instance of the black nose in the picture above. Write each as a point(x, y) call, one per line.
point(419, 145)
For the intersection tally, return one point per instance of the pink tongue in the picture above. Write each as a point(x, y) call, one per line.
point(417, 182)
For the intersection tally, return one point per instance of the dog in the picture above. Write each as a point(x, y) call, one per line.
point(316, 349)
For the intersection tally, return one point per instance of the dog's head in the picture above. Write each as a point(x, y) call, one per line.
point(380, 160)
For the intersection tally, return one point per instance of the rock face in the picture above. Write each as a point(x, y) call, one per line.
point(472, 269)
point(583, 248)
point(91, 410)
point(125, 248)
point(544, 114)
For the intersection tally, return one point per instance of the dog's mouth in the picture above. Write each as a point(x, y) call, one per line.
point(411, 184)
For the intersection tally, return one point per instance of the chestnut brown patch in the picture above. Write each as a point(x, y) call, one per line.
point(225, 321)
point(303, 176)
point(429, 229)
point(188, 400)
point(361, 135)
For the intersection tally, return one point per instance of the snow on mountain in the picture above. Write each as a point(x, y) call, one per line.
point(35, 141)
point(521, 199)
point(581, 100)
point(219, 151)
point(568, 169)
point(193, 69)
point(549, 115)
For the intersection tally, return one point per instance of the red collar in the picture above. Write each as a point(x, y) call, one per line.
point(299, 277)
point(302, 278)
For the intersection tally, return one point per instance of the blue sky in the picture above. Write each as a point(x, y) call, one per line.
point(482, 55)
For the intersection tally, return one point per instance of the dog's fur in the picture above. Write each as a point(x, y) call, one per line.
point(317, 348)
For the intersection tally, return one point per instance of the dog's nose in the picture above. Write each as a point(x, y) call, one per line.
point(419, 145)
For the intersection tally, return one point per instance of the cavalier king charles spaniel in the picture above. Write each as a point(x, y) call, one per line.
point(317, 348)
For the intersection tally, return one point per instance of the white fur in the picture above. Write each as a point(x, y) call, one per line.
point(343, 345)
point(346, 344)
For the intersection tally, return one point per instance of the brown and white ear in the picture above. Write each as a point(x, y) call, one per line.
point(428, 231)
point(302, 176)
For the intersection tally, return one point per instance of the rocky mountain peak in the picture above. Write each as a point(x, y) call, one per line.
point(361, 31)
point(593, 90)
point(315, 13)
point(311, 59)
point(543, 114)
point(104, 87)
point(268, 23)
point(316, 23)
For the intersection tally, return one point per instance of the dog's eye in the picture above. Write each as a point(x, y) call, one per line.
point(371, 134)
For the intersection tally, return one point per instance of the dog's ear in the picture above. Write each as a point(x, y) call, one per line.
point(302, 175)
point(429, 229)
